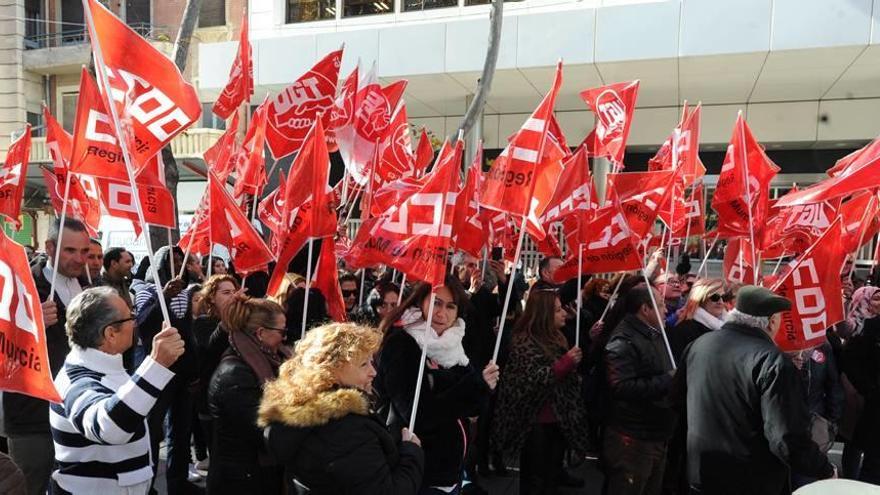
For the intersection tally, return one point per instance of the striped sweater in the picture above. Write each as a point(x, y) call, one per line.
point(102, 443)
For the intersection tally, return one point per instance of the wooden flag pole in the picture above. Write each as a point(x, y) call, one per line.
point(659, 320)
point(129, 168)
point(421, 376)
point(522, 233)
point(706, 255)
point(186, 256)
point(302, 332)
point(58, 241)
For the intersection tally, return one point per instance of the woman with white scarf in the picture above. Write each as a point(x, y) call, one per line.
point(452, 389)
point(703, 312)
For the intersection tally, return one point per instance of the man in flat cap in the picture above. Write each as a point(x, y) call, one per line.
point(747, 421)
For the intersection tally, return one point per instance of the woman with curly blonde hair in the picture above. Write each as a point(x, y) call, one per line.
point(319, 425)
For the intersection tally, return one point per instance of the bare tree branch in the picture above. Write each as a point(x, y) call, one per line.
point(484, 84)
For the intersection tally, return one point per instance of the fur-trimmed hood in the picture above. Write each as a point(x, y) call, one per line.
point(327, 406)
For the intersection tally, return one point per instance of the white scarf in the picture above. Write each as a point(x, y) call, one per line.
point(446, 350)
point(706, 318)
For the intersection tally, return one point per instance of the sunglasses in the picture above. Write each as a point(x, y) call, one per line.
point(715, 297)
point(349, 293)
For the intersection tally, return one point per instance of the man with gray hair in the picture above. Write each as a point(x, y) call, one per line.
point(102, 443)
point(747, 423)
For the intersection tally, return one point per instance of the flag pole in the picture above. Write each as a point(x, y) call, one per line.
point(706, 255)
point(522, 234)
point(613, 298)
point(129, 169)
point(186, 256)
point(88, 275)
point(60, 233)
point(400, 293)
point(171, 247)
point(363, 279)
point(671, 226)
point(421, 376)
point(210, 258)
point(778, 264)
point(302, 331)
point(659, 320)
point(748, 200)
point(577, 324)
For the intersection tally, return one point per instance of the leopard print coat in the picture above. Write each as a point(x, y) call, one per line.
point(527, 384)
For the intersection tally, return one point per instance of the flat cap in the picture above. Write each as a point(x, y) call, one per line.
point(758, 301)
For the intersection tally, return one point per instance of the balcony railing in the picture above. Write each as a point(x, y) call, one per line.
point(188, 145)
point(79, 35)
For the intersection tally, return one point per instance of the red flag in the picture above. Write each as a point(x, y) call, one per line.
point(690, 220)
point(154, 101)
point(415, 237)
point(739, 265)
point(240, 86)
point(608, 244)
point(370, 125)
point(574, 192)
point(812, 284)
point(743, 187)
point(396, 152)
point(95, 149)
point(156, 202)
point(613, 105)
point(292, 113)
point(199, 232)
point(860, 220)
point(24, 359)
point(855, 172)
point(232, 229)
point(250, 165)
point(307, 181)
point(511, 181)
point(425, 153)
point(547, 177)
point(342, 111)
point(794, 229)
point(270, 211)
point(221, 156)
point(13, 175)
point(393, 194)
point(640, 195)
point(467, 228)
point(326, 280)
point(81, 205)
point(689, 167)
point(290, 244)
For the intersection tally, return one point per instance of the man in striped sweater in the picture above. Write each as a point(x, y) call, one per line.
point(102, 444)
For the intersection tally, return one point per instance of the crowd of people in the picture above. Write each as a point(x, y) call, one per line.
point(674, 383)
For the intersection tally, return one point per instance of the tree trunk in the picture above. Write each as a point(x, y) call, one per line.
point(484, 84)
point(180, 54)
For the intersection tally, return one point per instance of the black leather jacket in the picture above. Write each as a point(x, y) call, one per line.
point(637, 366)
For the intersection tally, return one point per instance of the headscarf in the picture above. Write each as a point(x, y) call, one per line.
point(860, 309)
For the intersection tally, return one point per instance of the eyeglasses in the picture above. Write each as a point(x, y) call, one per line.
point(349, 293)
point(133, 317)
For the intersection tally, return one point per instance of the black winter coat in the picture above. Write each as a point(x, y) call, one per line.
point(683, 334)
point(237, 446)
point(448, 397)
point(861, 363)
point(334, 446)
point(23, 414)
point(637, 368)
point(821, 383)
point(747, 421)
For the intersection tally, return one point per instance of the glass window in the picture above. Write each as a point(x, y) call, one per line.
point(212, 13)
point(415, 5)
point(310, 10)
point(68, 110)
point(354, 8)
point(468, 3)
point(209, 120)
point(36, 122)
